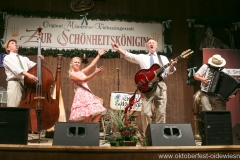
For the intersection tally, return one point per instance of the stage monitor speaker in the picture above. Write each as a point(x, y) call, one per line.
point(236, 134)
point(76, 134)
point(216, 128)
point(170, 135)
point(14, 125)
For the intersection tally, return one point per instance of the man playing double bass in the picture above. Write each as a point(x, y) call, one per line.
point(16, 68)
point(157, 98)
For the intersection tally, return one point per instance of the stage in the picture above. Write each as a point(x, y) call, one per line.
point(44, 151)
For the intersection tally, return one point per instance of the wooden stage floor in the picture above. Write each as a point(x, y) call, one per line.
point(45, 151)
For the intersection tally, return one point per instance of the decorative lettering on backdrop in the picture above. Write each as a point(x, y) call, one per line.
point(81, 5)
point(233, 72)
point(71, 34)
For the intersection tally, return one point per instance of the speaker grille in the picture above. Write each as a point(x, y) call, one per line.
point(216, 128)
point(170, 135)
point(14, 125)
point(76, 134)
point(236, 134)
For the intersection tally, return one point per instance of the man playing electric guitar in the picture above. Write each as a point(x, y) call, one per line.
point(154, 101)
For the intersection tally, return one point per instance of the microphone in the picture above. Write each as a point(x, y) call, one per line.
point(117, 69)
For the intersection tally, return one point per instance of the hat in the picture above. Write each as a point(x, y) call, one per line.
point(6, 44)
point(217, 61)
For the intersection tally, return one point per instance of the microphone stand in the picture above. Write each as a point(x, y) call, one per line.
point(118, 81)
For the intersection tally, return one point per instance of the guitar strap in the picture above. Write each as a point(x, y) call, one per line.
point(160, 60)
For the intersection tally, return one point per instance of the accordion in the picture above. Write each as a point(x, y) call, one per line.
point(220, 83)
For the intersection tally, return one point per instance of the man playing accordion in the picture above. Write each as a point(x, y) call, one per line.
point(211, 100)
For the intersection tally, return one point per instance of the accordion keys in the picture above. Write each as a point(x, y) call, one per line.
point(220, 83)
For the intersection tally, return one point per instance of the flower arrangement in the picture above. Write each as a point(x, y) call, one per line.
point(125, 131)
point(129, 131)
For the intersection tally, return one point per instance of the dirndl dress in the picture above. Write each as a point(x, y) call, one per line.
point(85, 103)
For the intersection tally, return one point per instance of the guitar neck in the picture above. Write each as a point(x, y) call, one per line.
point(167, 65)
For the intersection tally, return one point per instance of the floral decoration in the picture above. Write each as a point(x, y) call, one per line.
point(124, 130)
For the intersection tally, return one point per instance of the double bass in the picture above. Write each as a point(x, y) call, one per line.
point(44, 110)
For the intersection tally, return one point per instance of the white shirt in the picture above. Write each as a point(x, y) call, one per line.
point(144, 61)
point(13, 68)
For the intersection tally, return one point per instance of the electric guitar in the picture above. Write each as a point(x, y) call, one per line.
point(146, 79)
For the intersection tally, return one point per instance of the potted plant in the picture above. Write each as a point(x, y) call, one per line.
point(126, 132)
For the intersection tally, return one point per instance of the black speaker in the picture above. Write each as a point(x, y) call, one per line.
point(76, 134)
point(216, 128)
point(236, 134)
point(14, 125)
point(170, 135)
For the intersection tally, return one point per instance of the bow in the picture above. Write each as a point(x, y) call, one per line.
point(84, 19)
point(236, 25)
point(191, 72)
point(167, 23)
point(168, 48)
point(4, 14)
point(190, 22)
